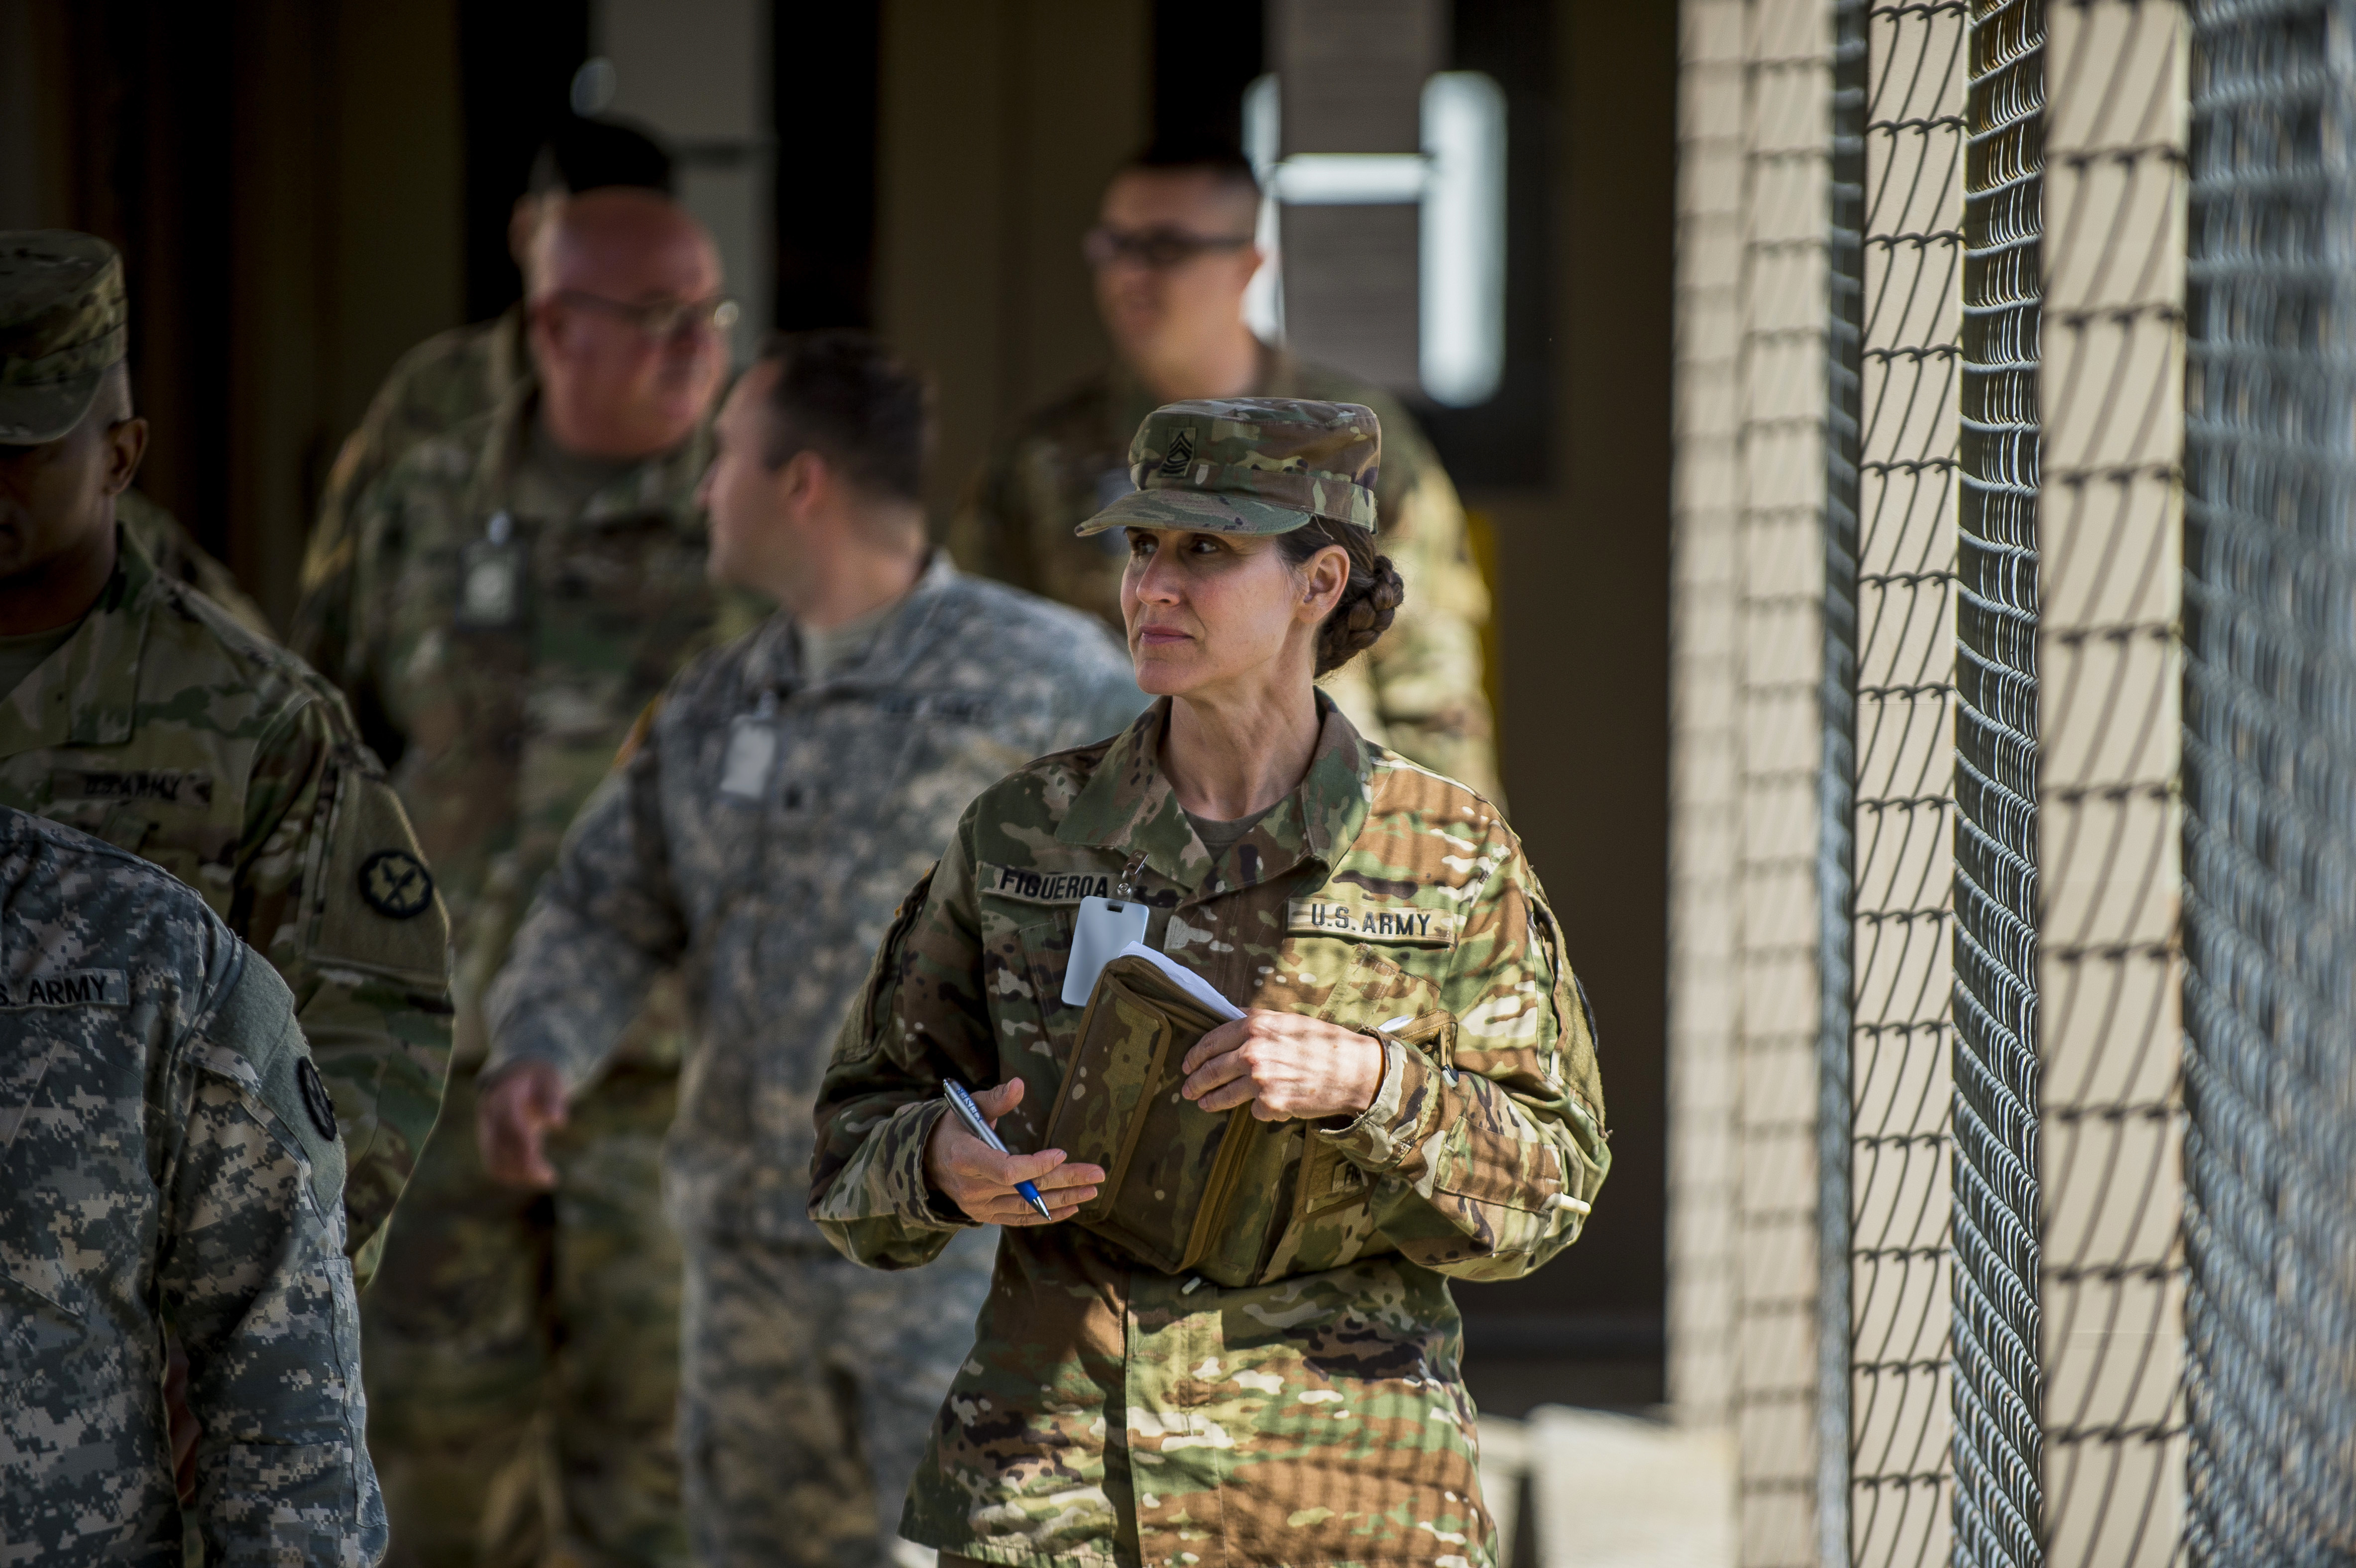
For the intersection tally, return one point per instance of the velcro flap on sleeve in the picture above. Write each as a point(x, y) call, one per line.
point(253, 1041)
point(374, 905)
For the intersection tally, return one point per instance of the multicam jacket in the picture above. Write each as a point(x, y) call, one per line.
point(166, 1156)
point(1114, 1413)
point(501, 643)
point(449, 379)
point(757, 838)
point(165, 728)
point(1419, 691)
point(178, 555)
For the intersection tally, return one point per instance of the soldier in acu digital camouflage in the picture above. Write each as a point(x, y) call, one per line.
point(787, 786)
point(1231, 1338)
point(136, 709)
point(516, 591)
point(168, 1157)
point(1171, 253)
point(466, 371)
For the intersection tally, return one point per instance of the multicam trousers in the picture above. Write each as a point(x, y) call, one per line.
point(521, 1349)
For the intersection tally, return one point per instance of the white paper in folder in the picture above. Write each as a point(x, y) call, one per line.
point(1193, 985)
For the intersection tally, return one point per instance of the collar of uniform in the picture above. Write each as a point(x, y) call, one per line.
point(87, 690)
point(1127, 806)
point(510, 359)
point(775, 663)
point(665, 483)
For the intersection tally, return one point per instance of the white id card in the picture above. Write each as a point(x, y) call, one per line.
point(752, 749)
point(1105, 927)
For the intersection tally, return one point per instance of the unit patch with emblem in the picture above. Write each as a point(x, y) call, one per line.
point(395, 882)
point(314, 1097)
point(1370, 922)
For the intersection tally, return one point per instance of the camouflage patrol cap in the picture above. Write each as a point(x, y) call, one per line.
point(1249, 465)
point(64, 319)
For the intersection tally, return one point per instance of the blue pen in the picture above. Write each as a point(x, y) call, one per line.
point(970, 1114)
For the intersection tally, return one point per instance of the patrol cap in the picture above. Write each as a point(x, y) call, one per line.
point(1249, 465)
point(64, 319)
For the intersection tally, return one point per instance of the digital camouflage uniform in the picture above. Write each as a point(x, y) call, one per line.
point(1419, 690)
point(167, 729)
point(754, 842)
point(522, 1346)
point(449, 379)
point(168, 1156)
point(1310, 1411)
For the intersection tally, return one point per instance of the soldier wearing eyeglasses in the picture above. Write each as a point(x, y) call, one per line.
point(466, 372)
point(1172, 253)
point(511, 594)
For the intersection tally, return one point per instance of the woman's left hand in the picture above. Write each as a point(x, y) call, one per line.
point(1284, 1066)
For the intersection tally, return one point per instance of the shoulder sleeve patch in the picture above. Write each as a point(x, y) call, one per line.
point(374, 907)
point(252, 1039)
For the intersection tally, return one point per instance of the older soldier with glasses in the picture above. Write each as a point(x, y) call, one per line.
point(466, 372)
point(512, 595)
point(1172, 254)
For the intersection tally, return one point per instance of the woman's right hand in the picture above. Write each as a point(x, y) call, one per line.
point(981, 1181)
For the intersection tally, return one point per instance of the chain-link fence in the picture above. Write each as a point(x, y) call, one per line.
point(2076, 672)
point(1996, 1386)
point(1895, 1077)
point(2270, 783)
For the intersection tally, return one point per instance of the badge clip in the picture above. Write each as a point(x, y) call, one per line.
point(491, 578)
point(1103, 927)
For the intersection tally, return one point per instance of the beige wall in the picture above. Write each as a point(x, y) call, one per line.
point(1000, 123)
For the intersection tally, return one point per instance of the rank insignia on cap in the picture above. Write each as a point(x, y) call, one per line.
point(1181, 452)
point(314, 1097)
point(394, 881)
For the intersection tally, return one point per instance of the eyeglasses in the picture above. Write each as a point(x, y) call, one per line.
point(663, 318)
point(1158, 248)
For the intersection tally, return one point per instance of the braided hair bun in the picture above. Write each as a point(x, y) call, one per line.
point(1372, 598)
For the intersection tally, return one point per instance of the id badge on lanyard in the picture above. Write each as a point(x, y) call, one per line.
point(752, 751)
point(1103, 927)
point(491, 578)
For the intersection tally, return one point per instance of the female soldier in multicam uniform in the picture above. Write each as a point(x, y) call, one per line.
point(1417, 1060)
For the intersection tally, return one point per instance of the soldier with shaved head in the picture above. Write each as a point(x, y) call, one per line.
point(466, 371)
point(507, 598)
